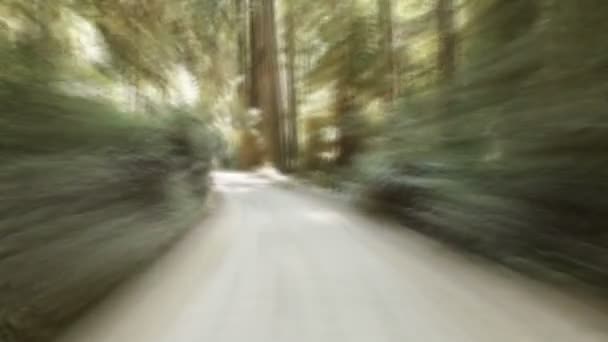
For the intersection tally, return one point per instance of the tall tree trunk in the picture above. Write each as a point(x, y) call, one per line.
point(446, 57)
point(292, 107)
point(242, 20)
point(385, 18)
point(346, 109)
point(265, 80)
point(346, 121)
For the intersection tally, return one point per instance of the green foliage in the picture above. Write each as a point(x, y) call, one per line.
point(508, 160)
point(89, 194)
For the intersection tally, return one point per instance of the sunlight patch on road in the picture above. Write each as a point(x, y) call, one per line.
point(322, 215)
point(238, 182)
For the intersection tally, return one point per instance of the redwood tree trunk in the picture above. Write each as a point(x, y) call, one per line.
point(292, 117)
point(265, 84)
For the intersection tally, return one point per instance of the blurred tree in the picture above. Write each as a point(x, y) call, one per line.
point(241, 22)
point(348, 63)
point(446, 57)
point(292, 97)
point(266, 93)
point(388, 56)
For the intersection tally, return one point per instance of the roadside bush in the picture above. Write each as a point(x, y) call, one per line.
point(508, 157)
point(89, 195)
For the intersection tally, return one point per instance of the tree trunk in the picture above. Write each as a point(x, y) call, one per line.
point(346, 121)
point(446, 56)
point(242, 19)
point(346, 109)
point(292, 107)
point(385, 18)
point(265, 84)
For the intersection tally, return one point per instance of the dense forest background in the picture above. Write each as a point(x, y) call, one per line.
point(480, 122)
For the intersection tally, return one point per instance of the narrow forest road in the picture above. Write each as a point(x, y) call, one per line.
point(279, 265)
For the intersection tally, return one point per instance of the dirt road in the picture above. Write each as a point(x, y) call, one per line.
point(278, 265)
